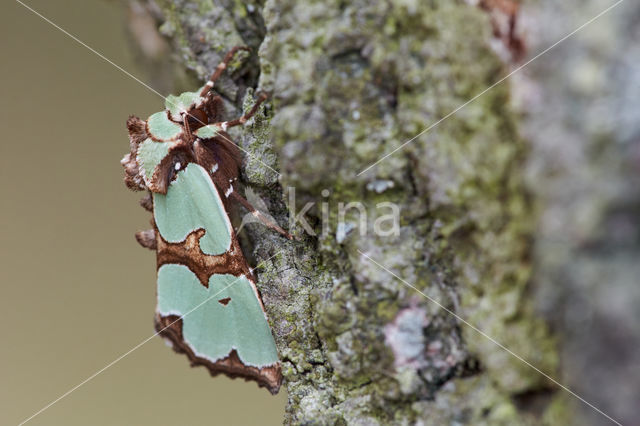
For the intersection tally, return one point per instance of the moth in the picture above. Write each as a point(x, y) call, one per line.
point(208, 305)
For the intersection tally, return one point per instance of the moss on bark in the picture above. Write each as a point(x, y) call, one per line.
point(350, 82)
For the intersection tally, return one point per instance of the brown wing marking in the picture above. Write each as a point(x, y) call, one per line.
point(270, 377)
point(189, 254)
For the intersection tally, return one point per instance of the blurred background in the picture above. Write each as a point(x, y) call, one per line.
point(77, 291)
point(581, 105)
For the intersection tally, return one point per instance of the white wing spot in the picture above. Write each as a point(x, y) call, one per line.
point(214, 168)
point(229, 191)
point(224, 126)
point(177, 166)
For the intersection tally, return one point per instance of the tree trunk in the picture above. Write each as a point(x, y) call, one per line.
point(350, 82)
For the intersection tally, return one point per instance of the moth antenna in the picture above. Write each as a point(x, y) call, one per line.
point(226, 124)
point(185, 125)
point(221, 67)
point(147, 239)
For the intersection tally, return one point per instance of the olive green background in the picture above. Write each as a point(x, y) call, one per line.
point(77, 291)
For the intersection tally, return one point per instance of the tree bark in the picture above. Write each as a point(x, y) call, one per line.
point(350, 82)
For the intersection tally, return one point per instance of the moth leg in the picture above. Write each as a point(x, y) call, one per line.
point(221, 67)
point(147, 239)
point(226, 124)
point(268, 223)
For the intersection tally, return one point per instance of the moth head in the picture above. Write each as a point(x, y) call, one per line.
point(192, 109)
point(188, 105)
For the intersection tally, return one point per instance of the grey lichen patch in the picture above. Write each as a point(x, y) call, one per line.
point(349, 83)
point(404, 335)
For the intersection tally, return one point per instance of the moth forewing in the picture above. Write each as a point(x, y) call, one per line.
point(196, 275)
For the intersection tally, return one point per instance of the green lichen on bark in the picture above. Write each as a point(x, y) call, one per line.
point(351, 82)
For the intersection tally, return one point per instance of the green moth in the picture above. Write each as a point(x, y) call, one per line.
point(208, 305)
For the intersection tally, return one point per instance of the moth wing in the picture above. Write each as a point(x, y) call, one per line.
point(226, 316)
point(192, 202)
point(223, 325)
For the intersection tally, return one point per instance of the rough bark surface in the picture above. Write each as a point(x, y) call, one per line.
point(350, 82)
